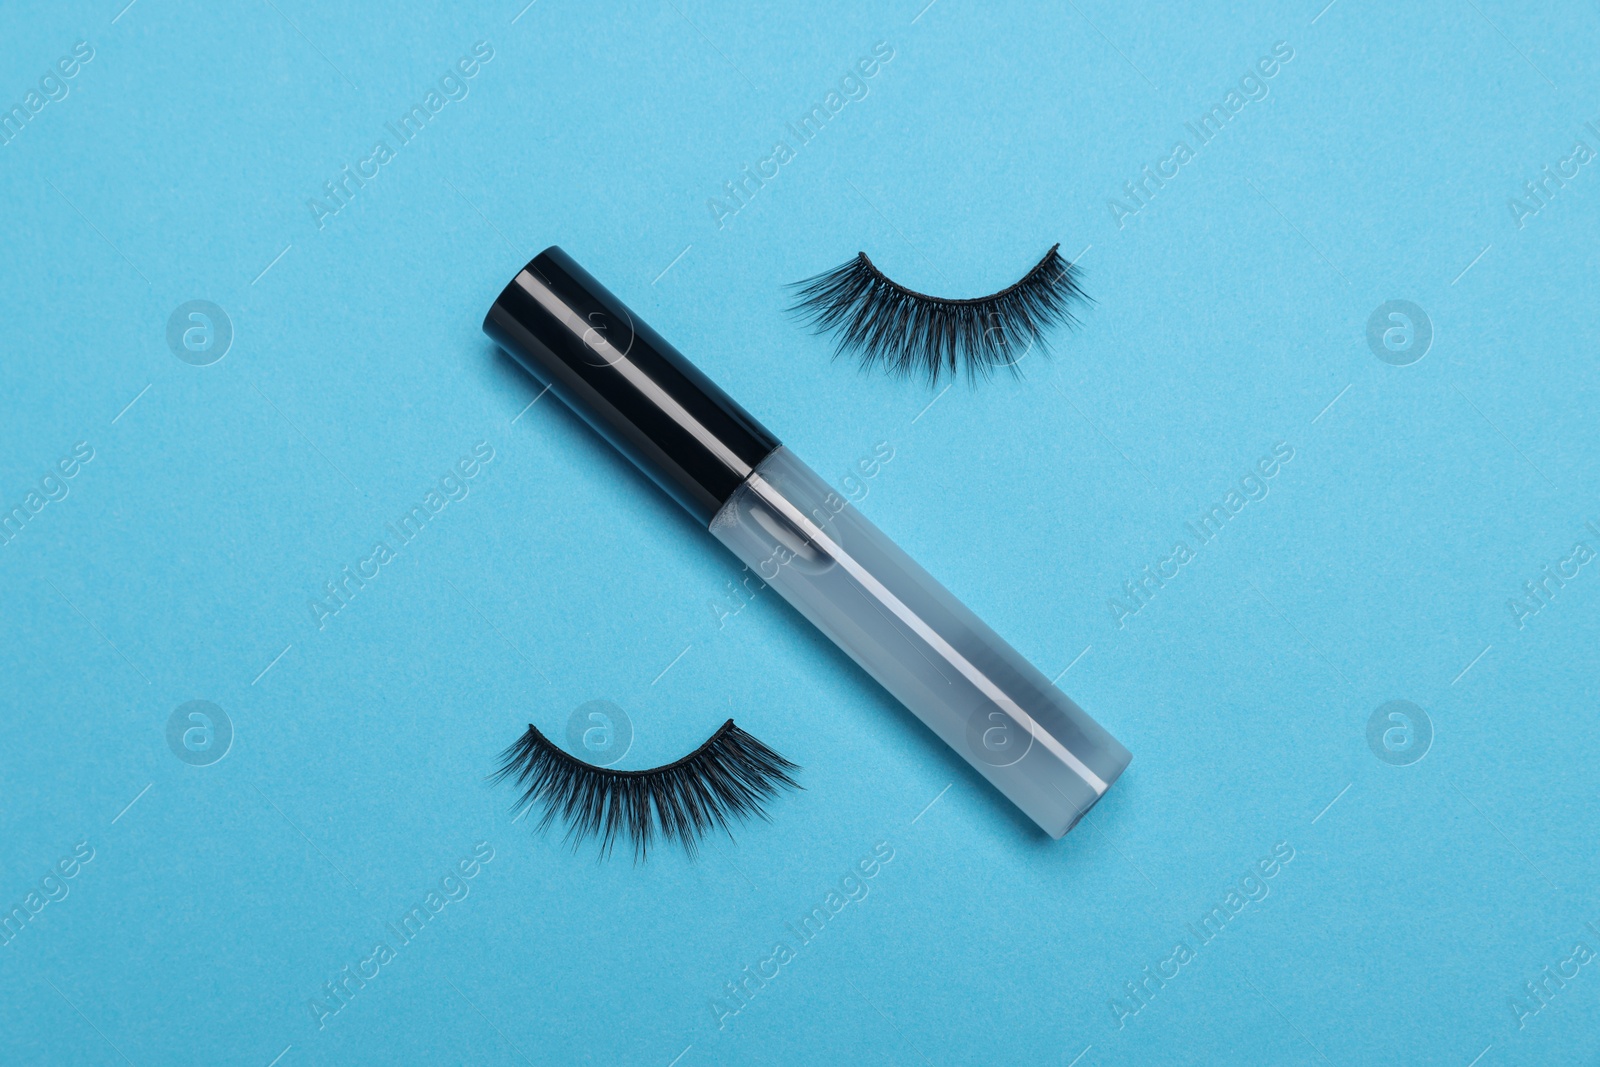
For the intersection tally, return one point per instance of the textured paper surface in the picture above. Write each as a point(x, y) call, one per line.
point(1384, 160)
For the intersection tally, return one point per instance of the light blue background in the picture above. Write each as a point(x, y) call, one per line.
point(1231, 312)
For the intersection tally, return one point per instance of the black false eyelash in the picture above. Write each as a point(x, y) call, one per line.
point(911, 333)
point(731, 776)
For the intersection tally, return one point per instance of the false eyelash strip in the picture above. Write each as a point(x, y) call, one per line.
point(731, 776)
point(910, 333)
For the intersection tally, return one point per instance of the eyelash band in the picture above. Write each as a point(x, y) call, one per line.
point(731, 776)
point(911, 333)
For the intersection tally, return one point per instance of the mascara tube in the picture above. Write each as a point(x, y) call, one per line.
point(806, 541)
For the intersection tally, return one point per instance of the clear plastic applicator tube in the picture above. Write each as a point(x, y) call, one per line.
point(806, 541)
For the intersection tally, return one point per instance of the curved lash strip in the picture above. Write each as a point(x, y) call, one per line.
point(730, 777)
point(911, 333)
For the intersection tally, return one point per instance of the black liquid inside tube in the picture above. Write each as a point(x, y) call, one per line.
point(806, 541)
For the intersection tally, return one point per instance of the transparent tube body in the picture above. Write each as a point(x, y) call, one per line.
point(921, 644)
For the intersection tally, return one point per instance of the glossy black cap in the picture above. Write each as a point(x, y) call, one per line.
point(628, 383)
